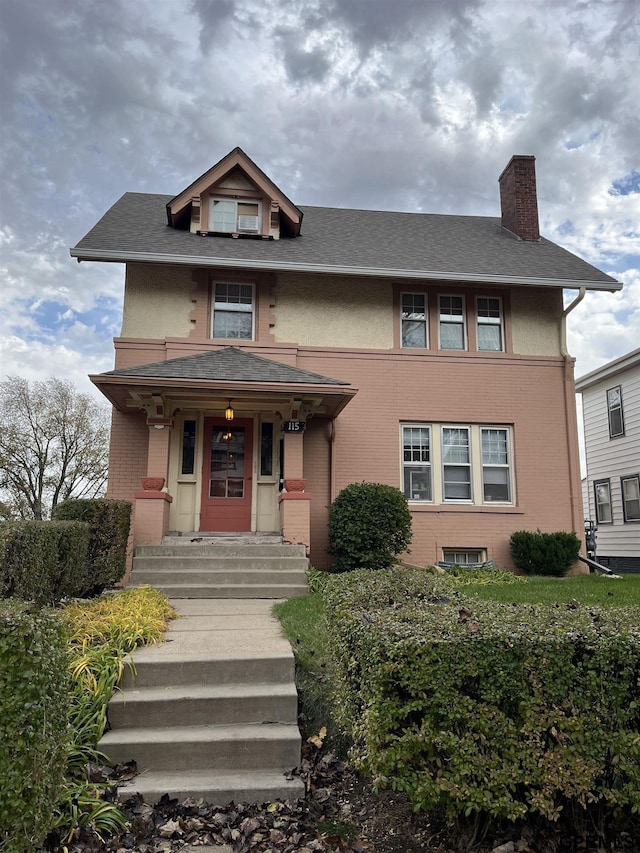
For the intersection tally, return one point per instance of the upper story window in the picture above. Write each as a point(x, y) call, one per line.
point(234, 216)
point(414, 320)
point(616, 416)
point(489, 323)
point(452, 323)
point(233, 311)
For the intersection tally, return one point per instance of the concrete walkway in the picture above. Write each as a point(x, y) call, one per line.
point(211, 712)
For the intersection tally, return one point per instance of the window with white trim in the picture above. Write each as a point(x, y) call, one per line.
point(452, 463)
point(616, 416)
point(602, 490)
point(496, 477)
point(456, 464)
point(453, 333)
point(233, 311)
point(414, 320)
point(489, 323)
point(234, 216)
point(416, 462)
point(631, 497)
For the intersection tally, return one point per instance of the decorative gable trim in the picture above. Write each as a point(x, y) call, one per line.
point(235, 173)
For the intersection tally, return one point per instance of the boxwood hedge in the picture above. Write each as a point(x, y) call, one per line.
point(33, 720)
point(483, 708)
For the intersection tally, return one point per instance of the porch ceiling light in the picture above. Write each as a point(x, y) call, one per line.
point(228, 412)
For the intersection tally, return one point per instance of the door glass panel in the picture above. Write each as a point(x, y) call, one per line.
point(226, 478)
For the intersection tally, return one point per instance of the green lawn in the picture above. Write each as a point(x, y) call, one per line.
point(585, 589)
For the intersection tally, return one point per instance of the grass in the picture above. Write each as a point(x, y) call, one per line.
point(585, 589)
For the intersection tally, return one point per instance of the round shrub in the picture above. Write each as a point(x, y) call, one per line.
point(369, 525)
point(550, 554)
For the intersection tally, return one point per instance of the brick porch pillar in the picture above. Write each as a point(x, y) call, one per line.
point(151, 515)
point(295, 502)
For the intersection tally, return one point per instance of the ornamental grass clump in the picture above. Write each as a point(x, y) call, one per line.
point(369, 526)
point(100, 633)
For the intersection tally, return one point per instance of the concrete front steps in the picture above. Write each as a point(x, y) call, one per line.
point(211, 713)
point(222, 566)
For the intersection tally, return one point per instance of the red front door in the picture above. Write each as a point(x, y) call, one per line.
point(226, 475)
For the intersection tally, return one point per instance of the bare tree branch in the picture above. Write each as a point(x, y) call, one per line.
point(54, 444)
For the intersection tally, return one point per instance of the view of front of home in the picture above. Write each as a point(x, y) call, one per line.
point(272, 354)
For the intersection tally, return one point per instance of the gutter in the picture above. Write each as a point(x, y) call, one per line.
point(112, 256)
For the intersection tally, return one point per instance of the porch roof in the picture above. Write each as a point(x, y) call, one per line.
point(221, 374)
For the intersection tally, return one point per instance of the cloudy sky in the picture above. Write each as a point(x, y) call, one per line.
point(412, 105)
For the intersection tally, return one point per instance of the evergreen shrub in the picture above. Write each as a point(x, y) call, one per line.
point(369, 525)
point(109, 522)
point(33, 720)
point(550, 554)
point(43, 561)
point(486, 709)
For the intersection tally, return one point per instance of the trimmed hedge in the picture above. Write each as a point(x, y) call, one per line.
point(109, 522)
point(43, 561)
point(501, 711)
point(33, 719)
point(550, 554)
point(369, 525)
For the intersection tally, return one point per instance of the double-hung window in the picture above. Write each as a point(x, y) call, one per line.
point(234, 216)
point(489, 324)
point(631, 497)
point(602, 489)
point(414, 320)
point(616, 416)
point(456, 464)
point(416, 462)
point(233, 310)
point(452, 322)
point(496, 478)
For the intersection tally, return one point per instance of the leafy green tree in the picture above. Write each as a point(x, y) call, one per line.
point(54, 444)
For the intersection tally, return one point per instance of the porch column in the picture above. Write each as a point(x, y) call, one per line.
point(295, 501)
point(152, 504)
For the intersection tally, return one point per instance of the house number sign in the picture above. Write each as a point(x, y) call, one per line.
point(293, 426)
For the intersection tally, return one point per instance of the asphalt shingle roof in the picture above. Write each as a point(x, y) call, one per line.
point(353, 240)
point(228, 364)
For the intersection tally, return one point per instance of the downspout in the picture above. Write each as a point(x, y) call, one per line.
point(577, 512)
point(332, 461)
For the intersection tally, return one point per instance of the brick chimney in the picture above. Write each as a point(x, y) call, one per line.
point(518, 197)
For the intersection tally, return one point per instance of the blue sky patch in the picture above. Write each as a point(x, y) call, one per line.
point(628, 184)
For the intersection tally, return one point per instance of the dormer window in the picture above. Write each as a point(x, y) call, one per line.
point(234, 216)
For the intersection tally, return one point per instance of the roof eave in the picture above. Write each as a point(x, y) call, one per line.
point(111, 256)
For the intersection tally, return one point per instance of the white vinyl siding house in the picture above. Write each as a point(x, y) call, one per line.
point(611, 395)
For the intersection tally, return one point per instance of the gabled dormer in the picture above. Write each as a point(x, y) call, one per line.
point(235, 198)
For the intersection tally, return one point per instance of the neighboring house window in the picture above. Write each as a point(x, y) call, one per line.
point(231, 216)
point(616, 418)
point(188, 447)
point(496, 476)
point(631, 497)
point(456, 464)
point(463, 558)
point(416, 462)
point(489, 324)
point(602, 489)
point(233, 311)
point(452, 326)
point(414, 320)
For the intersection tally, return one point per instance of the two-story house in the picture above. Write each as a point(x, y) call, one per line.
point(272, 354)
point(611, 415)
